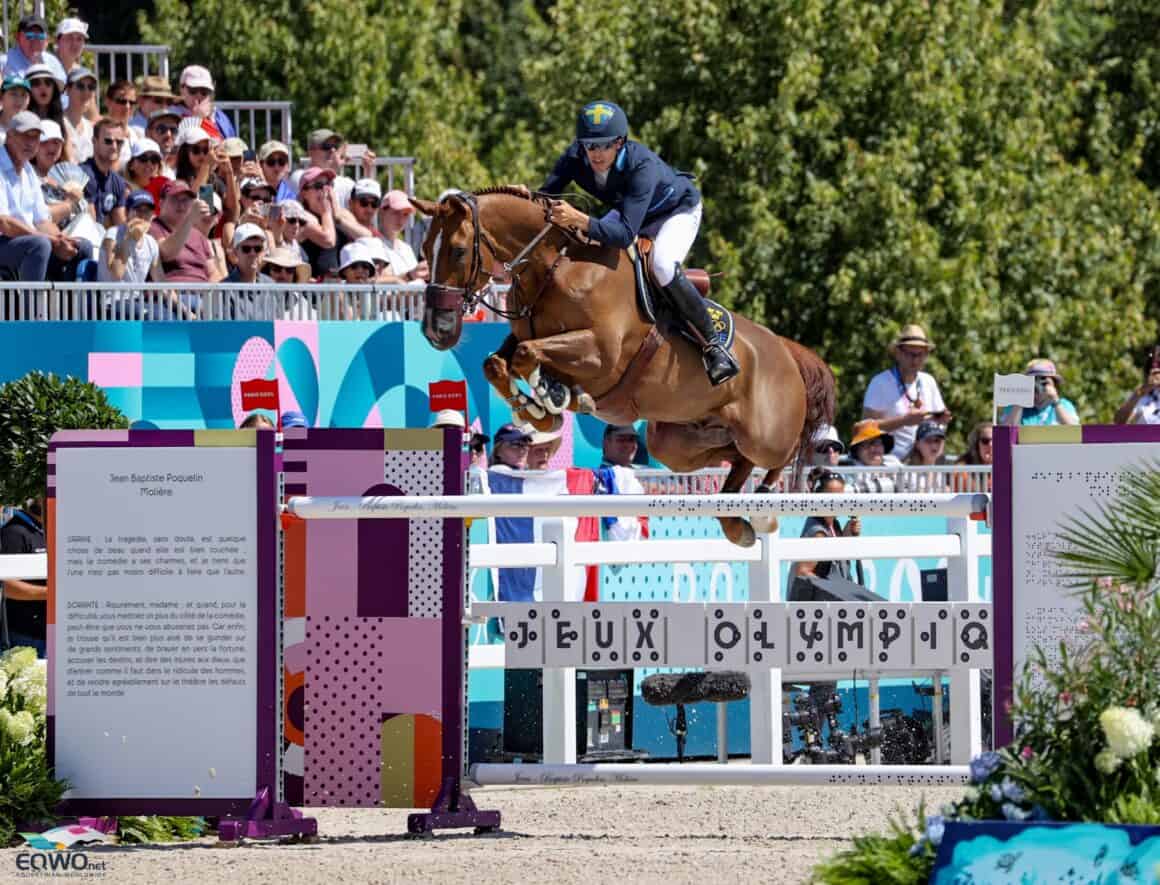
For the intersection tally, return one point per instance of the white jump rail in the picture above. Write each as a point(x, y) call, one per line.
point(961, 547)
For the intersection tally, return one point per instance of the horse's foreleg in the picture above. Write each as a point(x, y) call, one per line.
point(736, 529)
point(556, 366)
point(497, 371)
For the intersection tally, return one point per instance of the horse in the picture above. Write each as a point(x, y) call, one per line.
point(580, 340)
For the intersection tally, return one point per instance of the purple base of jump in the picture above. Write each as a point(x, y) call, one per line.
point(453, 810)
point(266, 819)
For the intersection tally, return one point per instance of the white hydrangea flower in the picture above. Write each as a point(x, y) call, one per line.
point(16, 660)
point(3, 684)
point(19, 727)
point(1107, 761)
point(30, 686)
point(1127, 732)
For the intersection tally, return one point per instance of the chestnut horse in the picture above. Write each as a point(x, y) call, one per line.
point(577, 339)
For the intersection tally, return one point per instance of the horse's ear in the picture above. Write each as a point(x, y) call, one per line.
point(429, 208)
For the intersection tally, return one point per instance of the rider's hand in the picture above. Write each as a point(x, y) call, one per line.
point(566, 215)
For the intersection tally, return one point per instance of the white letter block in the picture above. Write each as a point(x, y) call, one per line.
point(934, 636)
point(766, 626)
point(647, 639)
point(850, 630)
point(891, 647)
point(974, 635)
point(563, 634)
point(523, 631)
point(809, 635)
point(604, 635)
point(725, 635)
point(686, 632)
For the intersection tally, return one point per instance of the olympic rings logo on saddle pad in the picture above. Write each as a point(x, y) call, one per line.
point(722, 323)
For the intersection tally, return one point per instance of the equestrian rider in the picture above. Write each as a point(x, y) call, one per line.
point(648, 197)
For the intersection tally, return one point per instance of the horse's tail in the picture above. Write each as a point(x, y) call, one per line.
point(821, 397)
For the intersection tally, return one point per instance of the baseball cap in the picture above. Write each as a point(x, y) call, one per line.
point(355, 253)
point(141, 147)
point(252, 183)
point(196, 77)
point(78, 74)
point(398, 200)
point(72, 26)
point(25, 121)
point(175, 188)
point(191, 134)
point(293, 209)
point(165, 112)
point(322, 136)
point(28, 22)
point(247, 231)
point(50, 129)
point(509, 433)
point(929, 429)
point(367, 187)
point(235, 147)
point(293, 418)
point(312, 175)
point(14, 81)
point(272, 147)
point(449, 418)
point(140, 198)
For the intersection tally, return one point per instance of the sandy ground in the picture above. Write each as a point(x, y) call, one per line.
point(586, 835)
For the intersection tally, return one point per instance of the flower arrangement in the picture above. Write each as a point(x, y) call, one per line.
point(1086, 722)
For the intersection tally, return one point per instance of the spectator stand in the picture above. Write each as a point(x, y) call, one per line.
point(257, 122)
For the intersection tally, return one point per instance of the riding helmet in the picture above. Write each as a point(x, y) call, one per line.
point(600, 121)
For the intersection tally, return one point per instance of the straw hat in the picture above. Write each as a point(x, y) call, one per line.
point(541, 437)
point(911, 335)
point(865, 431)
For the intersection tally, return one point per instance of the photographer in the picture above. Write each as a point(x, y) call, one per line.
point(1050, 407)
point(1143, 404)
point(825, 481)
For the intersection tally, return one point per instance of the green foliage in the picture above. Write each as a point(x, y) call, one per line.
point(880, 859)
point(160, 829)
point(32, 409)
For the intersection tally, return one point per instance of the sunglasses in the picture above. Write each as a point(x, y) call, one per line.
point(275, 269)
point(296, 221)
point(200, 92)
point(35, 35)
point(600, 145)
point(367, 202)
point(148, 158)
point(329, 148)
point(124, 102)
point(276, 161)
point(163, 130)
point(518, 444)
point(41, 81)
point(250, 250)
point(199, 150)
point(84, 86)
point(109, 142)
point(317, 186)
point(985, 440)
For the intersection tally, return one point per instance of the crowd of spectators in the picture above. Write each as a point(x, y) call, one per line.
point(140, 183)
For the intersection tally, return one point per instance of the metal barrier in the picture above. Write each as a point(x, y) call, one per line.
point(116, 62)
point(969, 478)
point(257, 122)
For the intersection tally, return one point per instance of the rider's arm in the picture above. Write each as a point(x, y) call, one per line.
point(620, 228)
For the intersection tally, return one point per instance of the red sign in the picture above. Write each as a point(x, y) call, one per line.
point(448, 395)
point(260, 394)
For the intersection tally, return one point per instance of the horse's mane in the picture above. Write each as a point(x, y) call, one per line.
point(511, 191)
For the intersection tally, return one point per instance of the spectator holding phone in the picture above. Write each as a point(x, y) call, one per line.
point(197, 92)
point(185, 251)
point(1143, 404)
point(904, 396)
point(1050, 407)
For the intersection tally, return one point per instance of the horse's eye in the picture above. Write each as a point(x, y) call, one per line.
point(458, 253)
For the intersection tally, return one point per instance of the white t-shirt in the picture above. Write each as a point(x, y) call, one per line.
point(889, 397)
point(140, 260)
point(401, 256)
point(1147, 409)
point(80, 138)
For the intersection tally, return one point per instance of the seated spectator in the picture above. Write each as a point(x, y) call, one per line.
point(72, 35)
point(828, 447)
point(365, 197)
point(46, 94)
point(320, 239)
point(619, 446)
point(197, 92)
point(510, 449)
point(129, 253)
point(201, 161)
point(186, 255)
point(615, 476)
point(449, 418)
point(65, 201)
point(79, 112)
point(378, 251)
point(106, 191)
point(284, 266)
point(929, 450)
point(211, 226)
point(870, 446)
point(235, 149)
point(256, 421)
point(274, 158)
point(327, 150)
point(14, 98)
point(120, 101)
point(288, 221)
point(25, 603)
point(980, 450)
point(256, 199)
point(30, 49)
point(1143, 404)
point(394, 210)
point(162, 129)
point(144, 164)
point(904, 396)
point(153, 94)
point(32, 247)
point(357, 264)
point(543, 447)
point(823, 481)
point(1050, 407)
point(249, 247)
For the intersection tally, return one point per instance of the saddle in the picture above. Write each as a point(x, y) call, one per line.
point(656, 308)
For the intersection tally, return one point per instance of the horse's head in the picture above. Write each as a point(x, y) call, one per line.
point(457, 271)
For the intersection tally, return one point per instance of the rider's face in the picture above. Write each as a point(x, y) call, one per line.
point(601, 157)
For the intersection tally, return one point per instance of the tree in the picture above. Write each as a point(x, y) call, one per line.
point(32, 409)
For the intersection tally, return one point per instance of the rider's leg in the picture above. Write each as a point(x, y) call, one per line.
point(670, 247)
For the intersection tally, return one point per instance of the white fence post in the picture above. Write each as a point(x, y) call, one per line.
point(765, 737)
point(559, 704)
point(965, 685)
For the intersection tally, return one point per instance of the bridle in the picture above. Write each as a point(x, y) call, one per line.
point(468, 296)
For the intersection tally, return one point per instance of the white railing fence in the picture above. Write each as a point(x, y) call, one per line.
point(257, 122)
point(116, 62)
point(966, 478)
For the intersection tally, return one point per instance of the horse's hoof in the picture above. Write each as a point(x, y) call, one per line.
point(740, 532)
point(765, 525)
point(552, 395)
point(585, 404)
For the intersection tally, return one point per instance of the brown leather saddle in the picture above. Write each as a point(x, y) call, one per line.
point(655, 307)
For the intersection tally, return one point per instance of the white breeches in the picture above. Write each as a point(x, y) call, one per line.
point(672, 239)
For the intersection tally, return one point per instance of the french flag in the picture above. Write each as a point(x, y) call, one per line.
point(523, 584)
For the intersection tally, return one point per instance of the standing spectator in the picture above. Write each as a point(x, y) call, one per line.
point(185, 252)
point(197, 92)
point(1050, 407)
point(274, 158)
point(120, 100)
point(71, 36)
point(929, 451)
point(1143, 404)
point(129, 253)
point(823, 481)
point(904, 396)
point(153, 94)
point(615, 476)
point(327, 150)
point(31, 246)
point(162, 129)
point(870, 445)
point(394, 210)
point(980, 450)
point(619, 445)
point(25, 602)
point(106, 190)
point(30, 49)
point(14, 98)
point(510, 449)
point(81, 107)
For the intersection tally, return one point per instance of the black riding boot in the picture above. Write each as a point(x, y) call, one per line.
point(719, 363)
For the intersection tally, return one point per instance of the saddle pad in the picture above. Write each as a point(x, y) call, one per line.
point(656, 309)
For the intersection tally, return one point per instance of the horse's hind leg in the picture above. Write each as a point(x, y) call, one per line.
point(736, 529)
point(767, 524)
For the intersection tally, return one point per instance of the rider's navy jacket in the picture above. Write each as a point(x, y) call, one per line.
point(641, 187)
